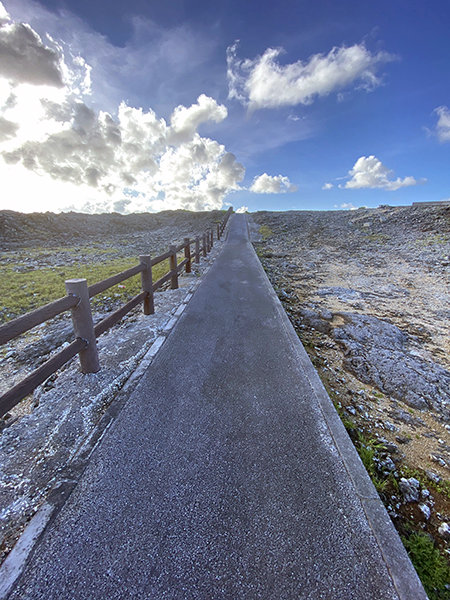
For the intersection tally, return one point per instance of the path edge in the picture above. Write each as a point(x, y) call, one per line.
point(403, 574)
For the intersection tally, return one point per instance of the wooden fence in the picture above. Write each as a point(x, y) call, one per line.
point(78, 302)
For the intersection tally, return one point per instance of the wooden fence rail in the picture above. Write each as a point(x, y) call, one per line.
point(78, 302)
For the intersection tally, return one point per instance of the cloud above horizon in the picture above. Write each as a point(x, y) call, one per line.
point(128, 161)
point(443, 123)
point(268, 184)
point(265, 83)
point(347, 206)
point(369, 172)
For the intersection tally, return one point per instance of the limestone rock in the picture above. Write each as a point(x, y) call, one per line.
point(444, 531)
point(410, 488)
point(377, 352)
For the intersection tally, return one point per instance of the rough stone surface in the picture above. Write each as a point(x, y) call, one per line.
point(377, 352)
point(410, 488)
point(425, 510)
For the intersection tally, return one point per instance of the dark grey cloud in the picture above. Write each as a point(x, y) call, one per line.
point(25, 59)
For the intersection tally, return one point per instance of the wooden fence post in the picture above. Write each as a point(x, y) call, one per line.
point(218, 232)
point(147, 284)
point(204, 245)
point(212, 237)
point(197, 249)
point(187, 254)
point(83, 325)
point(173, 268)
point(208, 242)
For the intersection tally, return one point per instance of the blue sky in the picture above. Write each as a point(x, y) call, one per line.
point(133, 106)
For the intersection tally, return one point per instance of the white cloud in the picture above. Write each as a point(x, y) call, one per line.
point(242, 209)
point(346, 206)
point(327, 186)
point(443, 124)
point(197, 175)
point(4, 16)
point(369, 172)
point(185, 121)
point(268, 184)
point(265, 83)
point(132, 161)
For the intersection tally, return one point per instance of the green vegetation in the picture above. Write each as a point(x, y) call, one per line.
point(429, 564)
point(378, 237)
point(368, 450)
point(443, 486)
point(22, 291)
point(265, 232)
point(436, 238)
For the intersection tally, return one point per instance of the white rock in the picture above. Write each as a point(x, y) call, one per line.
point(410, 489)
point(444, 530)
point(425, 510)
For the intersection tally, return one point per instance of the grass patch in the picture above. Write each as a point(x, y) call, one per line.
point(436, 238)
point(378, 237)
point(443, 487)
point(368, 450)
point(265, 232)
point(28, 290)
point(430, 565)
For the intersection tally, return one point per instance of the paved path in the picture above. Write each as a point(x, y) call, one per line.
point(227, 475)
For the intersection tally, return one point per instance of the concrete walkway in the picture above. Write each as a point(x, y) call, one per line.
point(227, 475)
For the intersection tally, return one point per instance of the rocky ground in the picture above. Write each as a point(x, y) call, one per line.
point(112, 230)
point(368, 292)
point(46, 433)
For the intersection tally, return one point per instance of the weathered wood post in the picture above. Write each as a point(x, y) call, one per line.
point(187, 254)
point(83, 325)
point(211, 233)
point(208, 242)
point(197, 249)
point(204, 245)
point(173, 268)
point(218, 232)
point(147, 284)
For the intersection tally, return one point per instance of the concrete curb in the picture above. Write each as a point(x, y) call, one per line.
point(401, 570)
